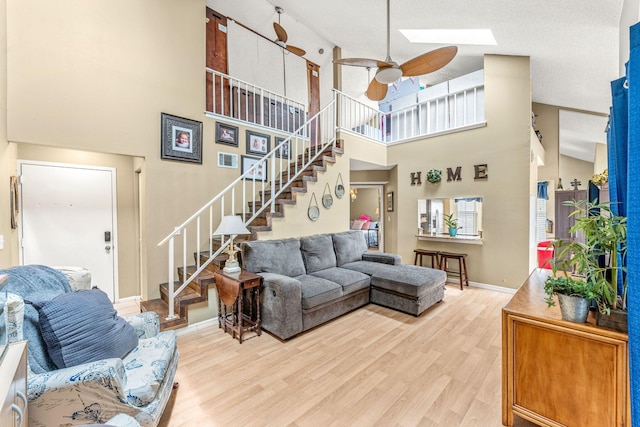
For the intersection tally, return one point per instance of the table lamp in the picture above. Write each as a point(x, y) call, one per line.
point(231, 225)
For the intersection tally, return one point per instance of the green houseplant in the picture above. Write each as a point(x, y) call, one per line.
point(574, 295)
point(451, 223)
point(596, 256)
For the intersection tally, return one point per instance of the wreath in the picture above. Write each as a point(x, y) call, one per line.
point(434, 176)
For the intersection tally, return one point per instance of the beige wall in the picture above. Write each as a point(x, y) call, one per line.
point(600, 162)
point(504, 145)
point(366, 203)
point(572, 168)
point(548, 123)
point(8, 255)
point(104, 91)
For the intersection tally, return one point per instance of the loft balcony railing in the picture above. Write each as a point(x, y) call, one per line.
point(239, 100)
point(255, 191)
point(450, 112)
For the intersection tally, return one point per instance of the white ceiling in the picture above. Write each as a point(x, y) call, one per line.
point(573, 44)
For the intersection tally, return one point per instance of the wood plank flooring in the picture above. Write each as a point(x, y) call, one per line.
point(371, 367)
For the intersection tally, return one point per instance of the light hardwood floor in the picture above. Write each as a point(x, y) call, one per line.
point(371, 367)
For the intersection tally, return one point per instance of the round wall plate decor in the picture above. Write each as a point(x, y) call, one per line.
point(327, 201)
point(340, 187)
point(314, 213)
point(327, 198)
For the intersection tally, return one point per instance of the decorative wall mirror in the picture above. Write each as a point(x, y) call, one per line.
point(313, 212)
point(340, 187)
point(327, 198)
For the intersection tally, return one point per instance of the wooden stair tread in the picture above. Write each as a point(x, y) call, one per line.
point(162, 310)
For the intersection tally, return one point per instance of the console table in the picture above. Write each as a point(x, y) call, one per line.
point(560, 373)
point(234, 290)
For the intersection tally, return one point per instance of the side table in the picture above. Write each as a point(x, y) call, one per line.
point(233, 291)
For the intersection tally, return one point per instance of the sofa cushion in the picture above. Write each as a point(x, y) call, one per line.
point(409, 280)
point(83, 327)
point(146, 367)
point(317, 291)
point(349, 246)
point(273, 256)
point(317, 252)
point(350, 280)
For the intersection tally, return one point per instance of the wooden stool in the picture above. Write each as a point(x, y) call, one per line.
point(435, 260)
point(462, 266)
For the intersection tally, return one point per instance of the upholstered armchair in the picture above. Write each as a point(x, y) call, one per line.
point(137, 384)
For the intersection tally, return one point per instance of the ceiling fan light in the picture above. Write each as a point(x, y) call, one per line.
point(388, 75)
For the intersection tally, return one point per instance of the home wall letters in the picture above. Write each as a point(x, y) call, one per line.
point(480, 173)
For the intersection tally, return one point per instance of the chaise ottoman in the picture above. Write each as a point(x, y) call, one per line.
point(407, 288)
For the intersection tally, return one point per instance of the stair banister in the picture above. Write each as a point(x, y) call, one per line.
point(300, 137)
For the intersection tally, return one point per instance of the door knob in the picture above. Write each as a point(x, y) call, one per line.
point(107, 248)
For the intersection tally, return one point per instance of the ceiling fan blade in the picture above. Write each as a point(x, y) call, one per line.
point(296, 50)
point(429, 62)
point(362, 62)
point(376, 90)
point(280, 32)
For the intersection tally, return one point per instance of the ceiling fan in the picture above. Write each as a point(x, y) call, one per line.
point(282, 36)
point(389, 71)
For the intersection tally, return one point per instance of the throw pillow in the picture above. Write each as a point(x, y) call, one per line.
point(357, 224)
point(366, 225)
point(83, 326)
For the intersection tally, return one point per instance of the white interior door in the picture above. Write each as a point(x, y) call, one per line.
point(68, 217)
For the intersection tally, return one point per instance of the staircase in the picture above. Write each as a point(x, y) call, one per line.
point(197, 289)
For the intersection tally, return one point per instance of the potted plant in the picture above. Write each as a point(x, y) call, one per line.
point(598, 256)
point(452, 224)
point(575, 296)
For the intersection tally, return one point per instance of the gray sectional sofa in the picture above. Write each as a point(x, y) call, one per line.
point(311, 280)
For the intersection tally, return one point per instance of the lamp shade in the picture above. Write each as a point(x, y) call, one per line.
point(231, 225)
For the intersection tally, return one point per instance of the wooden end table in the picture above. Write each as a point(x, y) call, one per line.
point(232, 291)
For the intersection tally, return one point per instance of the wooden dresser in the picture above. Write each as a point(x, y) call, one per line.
point(13, 386)
point(559, 373)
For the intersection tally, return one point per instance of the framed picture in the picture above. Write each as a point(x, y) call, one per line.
point(260, 173)
point(257, 143)
point(180, 139)
point(226, 134)
point(390, 201)
point(284, 150)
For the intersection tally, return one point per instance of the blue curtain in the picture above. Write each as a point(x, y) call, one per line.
point(633, 218)
point(542, 190)
point(617, 147)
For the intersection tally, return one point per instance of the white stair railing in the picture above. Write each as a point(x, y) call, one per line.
point(248, 196)
point(239, 100)
point(452, 111)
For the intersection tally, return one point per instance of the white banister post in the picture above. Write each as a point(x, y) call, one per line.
point(273, 181)
point(170, 282)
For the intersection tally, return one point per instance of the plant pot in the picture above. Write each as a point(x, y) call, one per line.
point(618, 320)
point(573, 309)
point(453, 232)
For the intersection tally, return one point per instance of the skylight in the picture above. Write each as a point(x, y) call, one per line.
point(457, 37)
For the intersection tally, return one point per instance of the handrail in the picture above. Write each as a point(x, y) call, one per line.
point(450, 111)
point(240, 100)
point(258, 187)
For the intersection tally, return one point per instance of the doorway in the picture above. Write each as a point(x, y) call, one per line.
point(68, 218)
point(367, 200)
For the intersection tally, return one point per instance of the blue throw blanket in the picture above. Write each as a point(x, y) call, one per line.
point(35, 283)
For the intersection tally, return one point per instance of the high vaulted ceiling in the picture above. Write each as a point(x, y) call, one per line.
point(573, 44)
